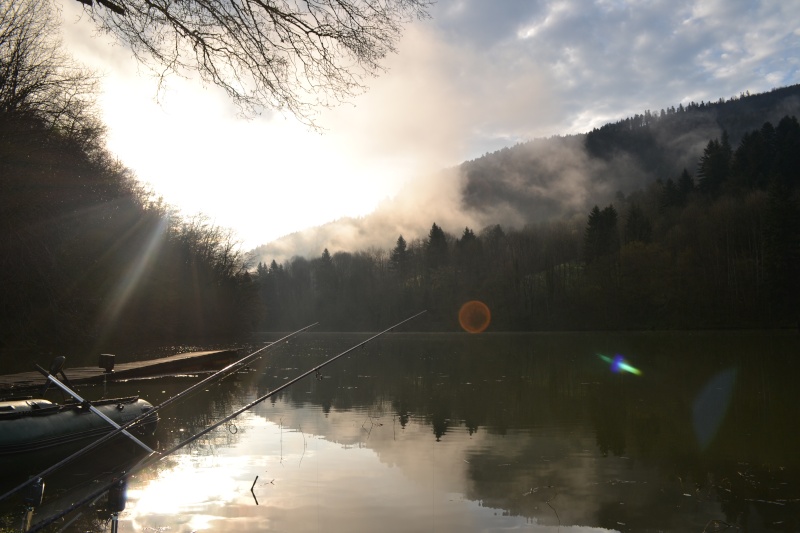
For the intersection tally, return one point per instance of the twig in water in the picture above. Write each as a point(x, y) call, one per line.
point(251, 490)
point(304, 446)
point(371, 425)
point(280, 425)
point(553, 508)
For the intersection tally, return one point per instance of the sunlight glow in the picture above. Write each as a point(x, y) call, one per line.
point(186, 489)
point(265, 177)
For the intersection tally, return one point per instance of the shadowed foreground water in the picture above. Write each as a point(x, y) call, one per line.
point(534, 432)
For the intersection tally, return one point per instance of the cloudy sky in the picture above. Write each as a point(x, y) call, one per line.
point(478, 76)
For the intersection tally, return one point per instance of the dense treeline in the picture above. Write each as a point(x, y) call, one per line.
point(641, 135)
point(717, 249)
point(87, 255)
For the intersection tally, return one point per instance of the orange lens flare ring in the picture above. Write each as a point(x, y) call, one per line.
point(474, 316)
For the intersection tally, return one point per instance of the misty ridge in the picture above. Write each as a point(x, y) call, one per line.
point(546, 179)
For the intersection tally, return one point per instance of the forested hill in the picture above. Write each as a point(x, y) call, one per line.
point(545, 178)
point(549, 179)
point(645, 223)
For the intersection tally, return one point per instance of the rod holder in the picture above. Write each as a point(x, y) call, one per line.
point(106, 362)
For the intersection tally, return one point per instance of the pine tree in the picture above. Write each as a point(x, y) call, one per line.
point(787, 152)
point(637, 226)
point(436, 255)
point(601, 237)
point(670, 195)
point(685, 185)
point(714, 166)
point(398, 258)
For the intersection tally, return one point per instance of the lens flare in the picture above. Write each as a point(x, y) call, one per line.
point(474, 316)
point(619, 364)
point(711, 406)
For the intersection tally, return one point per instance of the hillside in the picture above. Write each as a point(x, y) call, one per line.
point(564, 175)
point(620, 228)
point(547, 179)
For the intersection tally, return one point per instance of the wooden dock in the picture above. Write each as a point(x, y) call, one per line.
point(182, 363)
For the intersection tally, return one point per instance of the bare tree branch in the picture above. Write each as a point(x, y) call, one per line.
point(37, 78)
point(290, 55)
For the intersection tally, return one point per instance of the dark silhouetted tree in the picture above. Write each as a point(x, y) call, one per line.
point(436, 252)
point(752, 162)
point(685, 185)
point(670, 195)
point(601, 237)
point(782, 251)
point(787, 152)
point(714, 167)
point(398, 259)
point(637, 227)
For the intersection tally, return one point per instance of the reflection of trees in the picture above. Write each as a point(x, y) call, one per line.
point(609, 414)
point(446, 381)
point(519, 381)
point(553, 399)
point(507, 384)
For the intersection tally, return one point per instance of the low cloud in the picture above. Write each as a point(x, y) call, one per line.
point(420, 203)
point(528, 184)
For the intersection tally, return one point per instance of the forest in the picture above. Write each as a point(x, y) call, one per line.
point(714, 247)
point(90, 258)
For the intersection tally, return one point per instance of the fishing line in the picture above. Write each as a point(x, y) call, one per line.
point(152, 459)
point(216, 375)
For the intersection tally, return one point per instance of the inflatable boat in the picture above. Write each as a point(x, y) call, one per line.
point(28, 425)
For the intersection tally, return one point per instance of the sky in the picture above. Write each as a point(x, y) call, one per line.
point(477, 76)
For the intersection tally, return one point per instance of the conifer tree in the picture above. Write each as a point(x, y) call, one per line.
point(398, 258)
point(436, 254)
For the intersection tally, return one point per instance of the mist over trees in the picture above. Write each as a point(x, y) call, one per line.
point(539, 180)
point(717, 246)
point(551, 178)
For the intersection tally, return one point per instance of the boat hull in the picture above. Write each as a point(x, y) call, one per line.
point(35, 425)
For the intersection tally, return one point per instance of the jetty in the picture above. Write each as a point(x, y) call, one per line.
point(183, 363)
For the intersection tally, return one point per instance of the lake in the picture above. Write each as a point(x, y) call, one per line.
point(544, 432)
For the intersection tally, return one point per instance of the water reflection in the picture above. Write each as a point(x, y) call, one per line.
point(486, 433)
point(75, 482)
point(347, 471)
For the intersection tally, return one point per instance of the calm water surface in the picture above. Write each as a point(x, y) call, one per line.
point(447, 432)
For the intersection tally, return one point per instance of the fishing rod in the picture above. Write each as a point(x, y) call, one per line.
point(120, 429)
point(51, 378)
point(152, 459)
